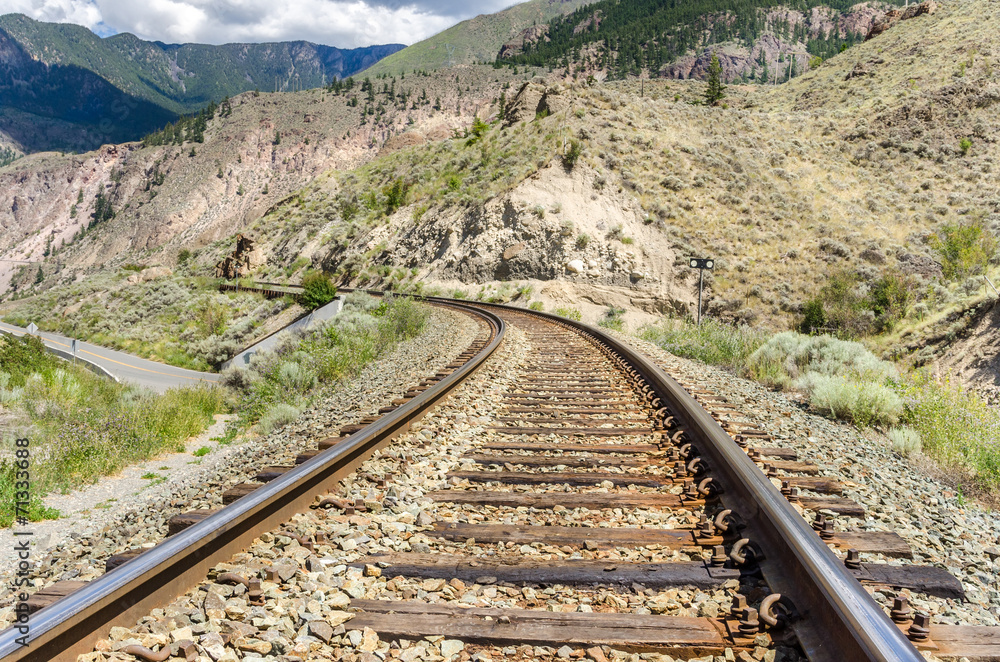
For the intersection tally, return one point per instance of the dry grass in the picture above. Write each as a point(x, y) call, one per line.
point(784, 187)
point(181, 320)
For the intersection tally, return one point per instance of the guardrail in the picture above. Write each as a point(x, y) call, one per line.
point(63, 354)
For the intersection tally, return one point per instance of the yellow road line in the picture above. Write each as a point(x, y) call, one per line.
point(105, 358)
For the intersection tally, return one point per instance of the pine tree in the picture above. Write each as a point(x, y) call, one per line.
point(715, 90)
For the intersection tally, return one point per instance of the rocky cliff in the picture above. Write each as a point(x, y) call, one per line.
point(186, 196)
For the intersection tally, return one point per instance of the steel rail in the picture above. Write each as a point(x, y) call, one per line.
point(70, 626)
point(837, 619)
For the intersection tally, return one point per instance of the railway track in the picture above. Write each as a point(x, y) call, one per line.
point(597, 501)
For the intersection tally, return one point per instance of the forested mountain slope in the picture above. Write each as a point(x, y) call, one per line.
point(63, 87)
point(772, 38)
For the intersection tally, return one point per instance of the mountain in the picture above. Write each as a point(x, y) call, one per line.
point(584, 193)
point(256, 150)
point(475, 40)
point(63, 87)
point(757, 40)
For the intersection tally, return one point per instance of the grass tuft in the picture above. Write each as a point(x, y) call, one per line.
point(905, 441)
point(276, 385)
point(81, 426)
point(713, 342)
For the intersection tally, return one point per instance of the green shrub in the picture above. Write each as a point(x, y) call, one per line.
point(536, 305)
point(814, 317)
point(965, 144)
point(295, 376)
point(852, 307)
point(277, 416)
point(864, 403)
point(569, 313)
point(36, 510)
point(317, 290)
point(478, 130)
point(890, 298)
point(905, 441)
point(844, 304)
point(956, 428)
point(613, 319)
point(572, 154)
point(582, 240)
point(790, 355)
point(21, 357)
point(395, 195)
point(714, 342)
point(841, 378)
point(965, 248)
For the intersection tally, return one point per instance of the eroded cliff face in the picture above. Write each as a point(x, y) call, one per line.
point(774, 50)
point(185, 196)
point(161, 196)
point(529, 235)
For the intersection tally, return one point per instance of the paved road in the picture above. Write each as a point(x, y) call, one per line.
point(125, 367)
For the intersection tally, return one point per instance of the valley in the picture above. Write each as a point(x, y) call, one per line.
point(832, 175)
point(830, 394)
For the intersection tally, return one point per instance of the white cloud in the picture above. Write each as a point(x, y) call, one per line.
point(80, 12)
point(342, 23)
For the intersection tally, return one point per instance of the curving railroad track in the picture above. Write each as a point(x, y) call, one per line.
point(589, 427)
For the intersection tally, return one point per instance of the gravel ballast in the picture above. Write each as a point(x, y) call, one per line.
point(78, 546)
point(305, 614)
point(942, 528)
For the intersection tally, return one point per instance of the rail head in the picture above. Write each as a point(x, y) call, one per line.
point(839, 620)
point(68, 627)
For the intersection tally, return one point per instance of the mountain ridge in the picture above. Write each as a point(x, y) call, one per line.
point(846, 172)
point(118, 88)
point(474, 40)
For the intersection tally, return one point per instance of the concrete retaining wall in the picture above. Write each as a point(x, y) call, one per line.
point(321, 314)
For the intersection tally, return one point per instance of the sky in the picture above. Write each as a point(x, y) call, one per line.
point(340, 23)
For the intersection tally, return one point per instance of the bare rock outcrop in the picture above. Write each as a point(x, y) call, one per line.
point(535, 99)
point(738, 62)
point(896, 15)
point(780, 56)
point(526, 37)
